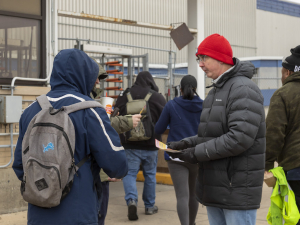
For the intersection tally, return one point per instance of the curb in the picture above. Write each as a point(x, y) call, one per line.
point(161, 178)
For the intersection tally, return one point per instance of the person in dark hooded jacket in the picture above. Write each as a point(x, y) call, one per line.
point(231, 143)
point(73, 77)
point(182, 114)
point(141, 152)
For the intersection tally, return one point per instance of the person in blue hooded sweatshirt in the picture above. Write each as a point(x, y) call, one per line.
point(73, 77)
point(182, 114)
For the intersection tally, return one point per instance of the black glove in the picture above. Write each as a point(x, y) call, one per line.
point(178, 145)
point(187, 155)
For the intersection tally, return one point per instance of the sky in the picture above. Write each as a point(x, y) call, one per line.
point(293, 1)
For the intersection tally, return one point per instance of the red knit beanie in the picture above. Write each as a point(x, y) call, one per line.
point(216, 46)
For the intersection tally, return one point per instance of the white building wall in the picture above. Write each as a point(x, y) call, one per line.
point(151, 11)
point(235, 20)
point(276, 33)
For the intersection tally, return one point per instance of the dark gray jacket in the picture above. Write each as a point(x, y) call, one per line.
point(230, 145)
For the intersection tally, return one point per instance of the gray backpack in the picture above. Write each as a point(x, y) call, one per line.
point(48, 154)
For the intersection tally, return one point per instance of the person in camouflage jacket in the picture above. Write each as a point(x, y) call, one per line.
point(121, 124)
point(283, 123)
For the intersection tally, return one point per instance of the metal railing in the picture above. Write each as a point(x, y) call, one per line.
point(11, 133)
point(171, 61)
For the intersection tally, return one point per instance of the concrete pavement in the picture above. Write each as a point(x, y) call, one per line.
point(165, 200)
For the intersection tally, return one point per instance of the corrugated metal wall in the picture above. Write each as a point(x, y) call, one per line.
point(151, 11)
point(235, 20)
point(276, 33)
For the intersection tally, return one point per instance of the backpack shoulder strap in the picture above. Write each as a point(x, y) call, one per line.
point(83, 160)
point(148, 96)
point(44, 102)
point(129, 97)
point(81, 105)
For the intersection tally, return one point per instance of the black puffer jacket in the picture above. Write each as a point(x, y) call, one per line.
point(231, 142)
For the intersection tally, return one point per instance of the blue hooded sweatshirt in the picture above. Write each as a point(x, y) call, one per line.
point(73, 76)
point(183, 118)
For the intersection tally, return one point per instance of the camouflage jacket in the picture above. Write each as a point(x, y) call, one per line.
point(120, 123)
point(283, 125)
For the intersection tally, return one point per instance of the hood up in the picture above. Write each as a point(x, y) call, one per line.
point(145, 79)
point(194, 105)
point(73, 70)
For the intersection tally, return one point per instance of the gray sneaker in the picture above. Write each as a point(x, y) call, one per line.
point(132, 210)
point(151, 211)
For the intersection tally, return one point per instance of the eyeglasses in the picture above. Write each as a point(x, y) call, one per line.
point(201, 58)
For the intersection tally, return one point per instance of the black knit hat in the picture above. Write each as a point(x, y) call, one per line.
point(188, 79)
point(292, 62)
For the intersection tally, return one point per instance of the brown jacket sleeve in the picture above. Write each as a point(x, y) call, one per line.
point(121, 123)
point(276, 124)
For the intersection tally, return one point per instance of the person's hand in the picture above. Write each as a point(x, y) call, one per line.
point(187, 155)
point(268, 173)
point(136, 119)
point(269, 179)
point(115, 112)
point(113, 179)
point(178, 145)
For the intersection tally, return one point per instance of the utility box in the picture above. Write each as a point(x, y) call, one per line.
point(10, 109)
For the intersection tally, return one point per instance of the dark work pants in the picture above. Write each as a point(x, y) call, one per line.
point(295, 185)
point(104, 203)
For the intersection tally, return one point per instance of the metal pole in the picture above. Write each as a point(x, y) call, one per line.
point(133, 70)
point(77, 44)
point(106, 67)
point(173, 71)
point(6, 134)
point(277, 75)
point(170, 75)
point(146, 62)
point(6, 50)
point(11, 147)
point(104, 42)
point(129, 71)
point(117, 20)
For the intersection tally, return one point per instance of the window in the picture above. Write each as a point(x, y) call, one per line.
point(22, 42)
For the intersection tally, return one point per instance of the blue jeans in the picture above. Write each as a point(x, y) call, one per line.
point(148, 159)
point(218, 216)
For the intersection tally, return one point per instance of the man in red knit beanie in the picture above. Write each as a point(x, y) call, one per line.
point(217, 50)
point(230, 145)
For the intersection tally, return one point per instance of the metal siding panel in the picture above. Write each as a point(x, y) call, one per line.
point(235, 20)
point(154, 11)
point(274, 33)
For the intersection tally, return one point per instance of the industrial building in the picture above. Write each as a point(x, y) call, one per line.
point(136, 33)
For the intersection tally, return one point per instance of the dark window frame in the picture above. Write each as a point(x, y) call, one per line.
point(42, 19)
